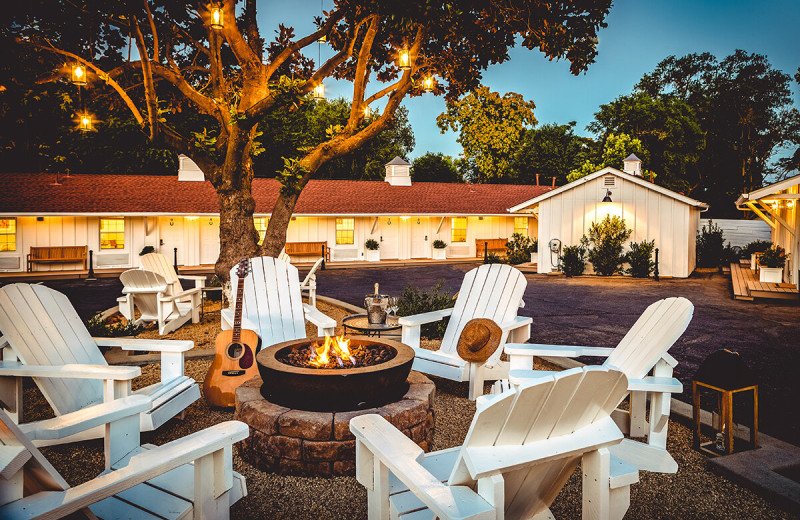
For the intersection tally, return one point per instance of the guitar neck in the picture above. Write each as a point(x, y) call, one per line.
point(237, 316)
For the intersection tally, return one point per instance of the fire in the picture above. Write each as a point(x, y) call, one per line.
point(334, 349)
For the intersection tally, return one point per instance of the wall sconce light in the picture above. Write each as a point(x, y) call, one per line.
point(607, 198)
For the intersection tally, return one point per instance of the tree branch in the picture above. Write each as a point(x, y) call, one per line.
point(204, 103)
point(360, 78)
point(149, 87)
point(153, 30)
point(245, 55)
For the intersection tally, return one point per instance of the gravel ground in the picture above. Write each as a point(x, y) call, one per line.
point(693, 493)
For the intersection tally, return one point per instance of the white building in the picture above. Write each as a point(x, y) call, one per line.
point(117, 215)
point(651, 211)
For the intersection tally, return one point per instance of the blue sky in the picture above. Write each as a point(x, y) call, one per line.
point(639, 35)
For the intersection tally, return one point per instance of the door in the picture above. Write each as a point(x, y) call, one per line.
point(171, 236)
point(209, 240)
point(420, 243)
point(390, 233)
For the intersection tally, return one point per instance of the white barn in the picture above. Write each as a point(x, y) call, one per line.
point(115, 216)
point(651, 211)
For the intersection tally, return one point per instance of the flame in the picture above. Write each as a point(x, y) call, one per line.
point(333, 349)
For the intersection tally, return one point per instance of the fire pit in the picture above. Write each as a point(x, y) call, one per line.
point(335, 375)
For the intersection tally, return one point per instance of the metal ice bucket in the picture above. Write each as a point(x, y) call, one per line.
point(376, 308)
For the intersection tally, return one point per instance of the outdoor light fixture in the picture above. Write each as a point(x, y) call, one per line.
point(403, 59)
point(84, 122)
point(323, 39)
point(216, 17)
point(78, 75)
point(607, 198)
point(319, 91)
point(427, 84)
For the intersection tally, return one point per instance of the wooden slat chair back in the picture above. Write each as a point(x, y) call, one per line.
point(147, 304)
point(43, 329)
point(656, 330)
point(159, 264)
point(490, 291)
point(272, 300)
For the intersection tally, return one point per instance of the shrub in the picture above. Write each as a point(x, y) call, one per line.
point(111, 327)
point(773, 257)
point(573, 259)
point(607, 238)
point(493, 258)
point(519, 249)
point(439, 244)
point(730, 254)
point(710, 244)
point(147, 249)
point(640, 259)
point(414, 301)
point(756, 246)
point(372, 244)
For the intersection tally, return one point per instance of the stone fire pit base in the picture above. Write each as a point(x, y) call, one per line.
point(297, 442)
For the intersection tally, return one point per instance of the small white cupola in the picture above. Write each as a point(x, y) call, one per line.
point(188, 170)
point(633, 165)
point(398, 172)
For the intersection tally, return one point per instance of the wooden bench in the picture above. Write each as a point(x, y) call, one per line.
point(495, 245)
point(309, 249)
point(56, 255)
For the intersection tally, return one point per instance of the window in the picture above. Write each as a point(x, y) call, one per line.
point(521, 225)
point(261, 226)
point(344, 230)
point(8, 234)
point(459, 229)
point(112, 233)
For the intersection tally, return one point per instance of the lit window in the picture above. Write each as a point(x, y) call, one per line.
point(261, 226)
point(521, 225)
point(344, 230)
point(8, 234)
point(112, 233)
point(459, 229)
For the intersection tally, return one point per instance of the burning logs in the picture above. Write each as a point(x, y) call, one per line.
point(336, 354)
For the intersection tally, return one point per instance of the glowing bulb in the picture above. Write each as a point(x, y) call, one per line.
point(367, 112)
point(85, 122)
point(216, 18)
point(319, 91)
point(78, 75)
point(404, 60)
point(428, 83)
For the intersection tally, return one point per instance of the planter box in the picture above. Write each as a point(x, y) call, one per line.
point(753, 261)
point(439, 254)
point(770, 274)
point(535, 258)
point(373, 256)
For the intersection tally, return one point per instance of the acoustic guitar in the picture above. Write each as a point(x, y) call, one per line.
point(234, 362)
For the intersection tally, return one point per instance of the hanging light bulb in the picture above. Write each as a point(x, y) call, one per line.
point(216, 17)
point(85, 122)
point(78, 74)
point(367, 112)
point(404, 59)
point(428, 84)
point(319, 91)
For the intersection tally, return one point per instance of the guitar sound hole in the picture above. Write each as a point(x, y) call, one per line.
point(235, 350)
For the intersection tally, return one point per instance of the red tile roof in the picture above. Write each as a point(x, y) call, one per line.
point(164, 194)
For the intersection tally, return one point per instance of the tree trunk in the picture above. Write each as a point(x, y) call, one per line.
point(275, 240)
point(238, 237)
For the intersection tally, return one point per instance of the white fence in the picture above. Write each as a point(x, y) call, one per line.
point(740, 232)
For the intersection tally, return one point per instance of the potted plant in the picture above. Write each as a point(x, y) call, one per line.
point(771, 264)
point(754, 249)
point(438, 249)
point(373, 253)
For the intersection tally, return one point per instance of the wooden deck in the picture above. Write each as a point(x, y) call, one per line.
point(747, 287)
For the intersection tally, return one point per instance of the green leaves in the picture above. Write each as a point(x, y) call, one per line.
point(292, 175)
point(607, 240)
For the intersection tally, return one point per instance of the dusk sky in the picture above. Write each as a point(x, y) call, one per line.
point(638, 36)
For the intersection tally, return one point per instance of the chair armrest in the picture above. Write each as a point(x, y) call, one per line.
point(183, 294)
point(518, 321)
point(401, 455)
point(71, 371)
point(86, 418)
point(144, 290)
point(316, 317)
point(159, 345)
point(655, 384)
point(426, 317)
point(531, 349)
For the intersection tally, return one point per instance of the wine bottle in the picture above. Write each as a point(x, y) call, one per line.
point(376, 290)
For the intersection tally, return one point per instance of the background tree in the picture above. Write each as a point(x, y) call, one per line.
point(551, 150)
point(434, 167)
point(228, 80)
point(489, 128)
point(615, 149)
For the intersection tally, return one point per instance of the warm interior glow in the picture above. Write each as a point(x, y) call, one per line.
point(84, 122)
point(78, 75)
point(319, 91)
point(216, 18)
point(428, 83)
point(336, 349)
point(403, 59)
point(367, 112)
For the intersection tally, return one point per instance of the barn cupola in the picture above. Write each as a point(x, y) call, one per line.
point(633, 165)
point(188, 170)
point(398, 172)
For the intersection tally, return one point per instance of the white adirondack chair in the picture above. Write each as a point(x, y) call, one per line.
point(159, 264)
point(191, 477)
point(44, 338)
point(309, 283)
point(153, 296)
point(643, 350)
point(273, 306)
point(491, 291)
point(520, 449)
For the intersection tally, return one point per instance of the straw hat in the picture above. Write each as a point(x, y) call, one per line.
point(479, 339)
